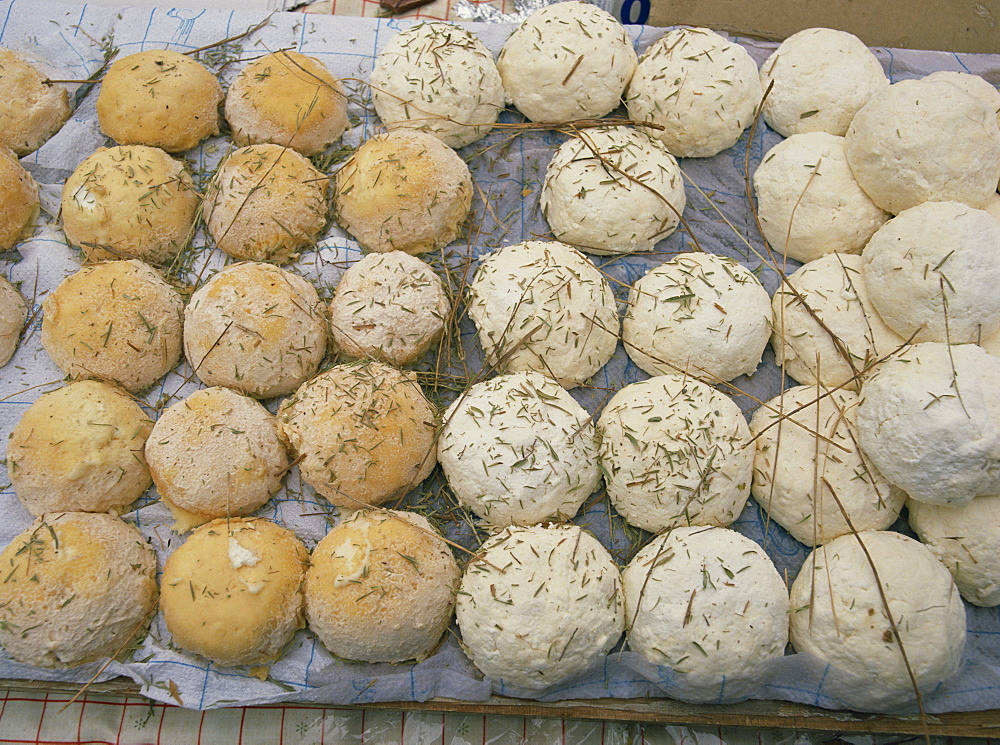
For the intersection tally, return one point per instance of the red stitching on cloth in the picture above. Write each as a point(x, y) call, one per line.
point(243, 716)
point(36, 741)
point(121, 723)
point(201, 724)
point(45, 703)
point(79, 721)
point(281, 732)
point(402, 729)
point(159, 729)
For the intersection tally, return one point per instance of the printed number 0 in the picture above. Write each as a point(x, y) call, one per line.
point(628, 8)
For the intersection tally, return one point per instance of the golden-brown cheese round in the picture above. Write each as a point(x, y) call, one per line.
point(160, 98)
point(130, 201)
point(266, 203)
point(77, 586)
point(381, 587)
point(256, 328)
point(216, 454)
point(118, 321)
point(403, 191)
point(33, 110)
point(13, 313)
point(390, 307)
point(289, 99)
point(364, 433)
point(80, 448)
point(18, 200)
point(233, 591)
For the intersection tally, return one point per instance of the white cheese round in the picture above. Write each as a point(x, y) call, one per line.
point(438, 78)
point(675, 452)
point(708, 603)
point(518, 449)
point(700, 313)
point(567, 61)
point(701, 88)
point(929, 420)
point(924, 140)
point(540, 605)
point(825, 328)
point(965, 540)
point(838, 614)
point(933, 273)
point(544, 306)
point(809, 202)
point(819, 78)
point(613, 190)
point(809, 470)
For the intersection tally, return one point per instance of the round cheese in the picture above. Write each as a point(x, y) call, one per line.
point(702, 314)
point(701, 88)
point(518, 449)
point(567, 61)
point(613, 190)
point(544, 306)
point(675, 452)
point(540, 605)
point(809, 473)
point(438, 78)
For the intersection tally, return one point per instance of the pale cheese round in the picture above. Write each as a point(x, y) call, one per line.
point(540, 605)
point(924, 140)
point(518, 449)
point(701, 88)
point(613, 190)
point(438, 78)
point(809, 202)
point(675, 452)
point(700, 313)
point(566, 61)
point(810, 475)
point(838, 613)
point(544, 306)
point(964, 539)
point(708, 603)
point(825, 329)
point(929, 420)
point(933, 273)
point(818, 79)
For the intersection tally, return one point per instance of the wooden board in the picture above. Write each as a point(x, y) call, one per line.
point(756, 714)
